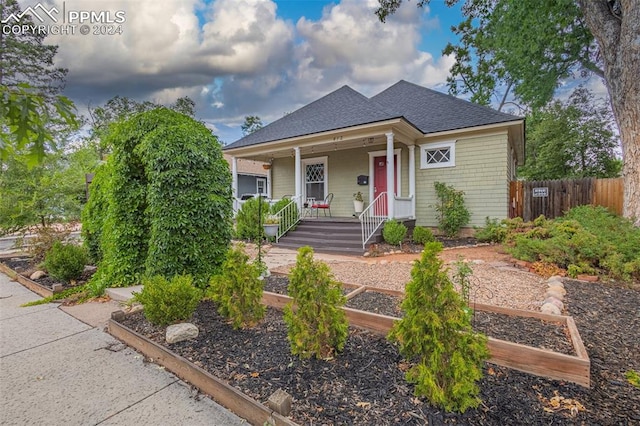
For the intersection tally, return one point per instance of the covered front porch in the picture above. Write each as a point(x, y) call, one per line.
point(330, 168)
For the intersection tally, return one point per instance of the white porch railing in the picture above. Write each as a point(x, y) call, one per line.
point(372, 217)
point(403, 207)
point(289, 216)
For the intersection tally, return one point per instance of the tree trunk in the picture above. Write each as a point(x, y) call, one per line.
point(618, 36)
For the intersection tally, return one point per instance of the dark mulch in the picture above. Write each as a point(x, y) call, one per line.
point(279, 284)
point(365, 384)
point(25, 267)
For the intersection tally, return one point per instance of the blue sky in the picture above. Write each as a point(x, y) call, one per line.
point(252, 57)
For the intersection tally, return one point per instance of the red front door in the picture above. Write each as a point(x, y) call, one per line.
point(380, 177)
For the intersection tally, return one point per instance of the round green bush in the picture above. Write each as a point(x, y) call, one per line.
point(394, 232)
point(166, 302)
point(422, 235)
point(65, 261)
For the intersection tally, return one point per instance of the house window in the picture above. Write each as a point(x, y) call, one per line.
point(436, 155)
point(261, 186)
point(315, 178)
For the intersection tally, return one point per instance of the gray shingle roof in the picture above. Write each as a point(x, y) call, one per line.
point(432, 111)
point(428, 110)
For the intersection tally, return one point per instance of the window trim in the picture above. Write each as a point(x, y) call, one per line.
point(438, 145)
point(315, 160)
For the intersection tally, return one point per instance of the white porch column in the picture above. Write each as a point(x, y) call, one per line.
point(412, 179)
point(234, 176)
point(391, 174)
point(269, 184)
point(298, 177)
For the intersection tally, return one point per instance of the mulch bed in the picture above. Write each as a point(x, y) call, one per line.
point(377, 249)
point(526, 331)
point(365, 383)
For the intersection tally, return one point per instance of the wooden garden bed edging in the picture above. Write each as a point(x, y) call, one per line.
point(30, 284)
point(224, 394)
point(541, 362)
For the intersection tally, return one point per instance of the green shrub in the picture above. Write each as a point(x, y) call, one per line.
point(248, 222)
point(436, 334)
point(422, 235)
point(586, 240)
point(238, 290)
point(45, 238)
point(494, 231)
point(394, 232)
point(65, 261)
point(316, 324)
point(289, 216)
point(168, 301)
point(452, 214)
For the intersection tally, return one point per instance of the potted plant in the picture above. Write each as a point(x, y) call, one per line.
point(358, 202)
point(271, 224)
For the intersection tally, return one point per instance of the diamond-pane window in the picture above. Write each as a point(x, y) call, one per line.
point(436, 155)
point(315, 173)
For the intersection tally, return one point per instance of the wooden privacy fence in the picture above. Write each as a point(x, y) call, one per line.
point(551, 198)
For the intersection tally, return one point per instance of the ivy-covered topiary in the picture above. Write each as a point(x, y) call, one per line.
point(394, 232)
point(65, 261)
point(168, 301)
point(95, 212)
point(189, 198)
point(436, 334)
point(238, 290)
point(316, 324)
point(168, 201)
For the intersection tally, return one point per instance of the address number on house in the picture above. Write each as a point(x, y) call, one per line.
point(541, 192)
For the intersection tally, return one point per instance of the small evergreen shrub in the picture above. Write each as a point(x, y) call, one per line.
point(494, 231)
point(316, 324)
point(436, 334)
point(248, 223)
point(238, 290)
point(65, 261)
point(422, 235)
point(451, 212)
point(394, 232)
point(168, 301)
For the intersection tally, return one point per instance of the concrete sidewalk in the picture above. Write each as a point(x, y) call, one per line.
point(57, 370)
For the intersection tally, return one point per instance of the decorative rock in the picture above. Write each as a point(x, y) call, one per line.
point(550, 308)
point(555, 294)
point(280, 402)
point(477, 261)
point(37, 275)
point(179, 332)
point(90, 268)
point(555, 301)
point(556, 283)
point(557, 289)
point(555, 278)
point(384, 262)
point(367, 254)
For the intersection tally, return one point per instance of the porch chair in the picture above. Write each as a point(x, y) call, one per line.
point(324, 205)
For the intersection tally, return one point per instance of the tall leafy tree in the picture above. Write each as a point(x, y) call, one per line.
point(541, 42)
point(251, 124)
point(574, 139)
point(30, 84)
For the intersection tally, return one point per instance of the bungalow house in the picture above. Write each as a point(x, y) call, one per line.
point(392, 147)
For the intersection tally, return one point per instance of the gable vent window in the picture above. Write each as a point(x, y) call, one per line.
point(436, 155)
